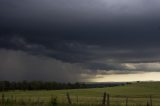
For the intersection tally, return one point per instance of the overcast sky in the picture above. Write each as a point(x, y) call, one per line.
point(79, 40)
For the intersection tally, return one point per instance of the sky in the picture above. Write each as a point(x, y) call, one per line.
point(80, 40)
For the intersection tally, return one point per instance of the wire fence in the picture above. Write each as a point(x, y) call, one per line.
point(72, 100)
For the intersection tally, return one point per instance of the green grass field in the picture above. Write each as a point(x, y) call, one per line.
point(138, 94)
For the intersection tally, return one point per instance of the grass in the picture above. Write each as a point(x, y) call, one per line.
point(138, 94)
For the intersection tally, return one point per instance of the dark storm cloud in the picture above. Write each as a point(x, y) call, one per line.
point(18, 65)
point(96, 34)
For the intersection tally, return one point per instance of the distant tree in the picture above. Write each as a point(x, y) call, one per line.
point(40, 85)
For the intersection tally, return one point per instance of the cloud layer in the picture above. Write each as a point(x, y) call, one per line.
point(78, 38)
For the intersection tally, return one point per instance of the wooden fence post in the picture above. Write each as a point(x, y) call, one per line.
point(126, 101)
point(68, 98)
point(3, 99)
point(147, 103)
point(150, 100)
point(77, 99)
point(104, 99)
point(108, 100)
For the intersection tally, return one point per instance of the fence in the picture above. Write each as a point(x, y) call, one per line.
point(105, 100)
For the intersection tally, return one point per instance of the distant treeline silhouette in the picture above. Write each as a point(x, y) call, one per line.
point(41, 85)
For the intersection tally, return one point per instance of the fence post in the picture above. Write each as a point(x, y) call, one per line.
point(104, 99)
point(68, 98)
point(3, 99)
point(108, 100)
point(150, 100)
point(147, 103)
point(126, 101)
point(77, 99)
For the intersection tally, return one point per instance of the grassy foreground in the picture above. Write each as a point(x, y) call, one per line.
point(138, 94)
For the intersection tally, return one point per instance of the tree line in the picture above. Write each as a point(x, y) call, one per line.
point(41, 85)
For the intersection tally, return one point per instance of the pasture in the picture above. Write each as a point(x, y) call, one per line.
point(136, 94)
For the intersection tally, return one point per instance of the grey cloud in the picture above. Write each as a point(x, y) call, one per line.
point(95, 35)
point(18, 65)
point(153, 66)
